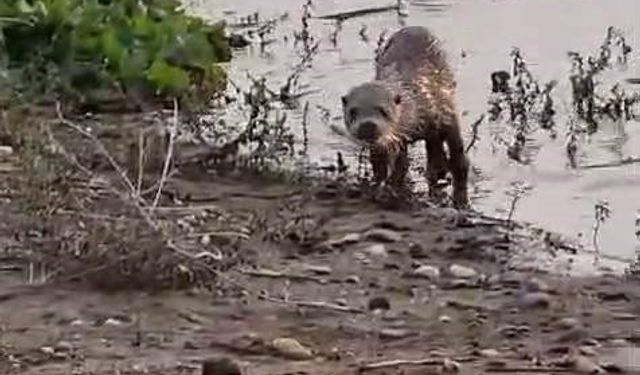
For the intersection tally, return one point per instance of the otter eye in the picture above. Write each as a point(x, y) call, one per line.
point(353, 113)
point(383, 112)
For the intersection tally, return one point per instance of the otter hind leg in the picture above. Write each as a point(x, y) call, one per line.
point(458, 165)
point(437, 163)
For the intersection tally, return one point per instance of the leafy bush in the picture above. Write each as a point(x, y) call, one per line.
point(82, 49)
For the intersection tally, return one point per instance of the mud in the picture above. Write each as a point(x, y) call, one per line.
point(451, 289)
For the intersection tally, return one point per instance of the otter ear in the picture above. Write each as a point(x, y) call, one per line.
point(344, 100)
point(397, 99)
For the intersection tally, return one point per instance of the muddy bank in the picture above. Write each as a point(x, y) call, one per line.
point(351, 280)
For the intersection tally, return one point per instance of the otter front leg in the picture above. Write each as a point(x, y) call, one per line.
point(458, 165)
point(379, 160)
point(436, 162)
point(388, 166)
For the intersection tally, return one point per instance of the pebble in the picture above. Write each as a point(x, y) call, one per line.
point(416, 251)
point(347, 239)
point(588, 351)
point(462, 272)
point(6, 150)
point(428, 272)
point(584, 365)
point(318, 270)
point(535, 285)
point(377, 250)
point(383, 235)
point(444, 319)
point(567, 323)
point(489, 353)
point(220, 366)
point(291, 349)
point(63, 346)
point(379, 303)
point(353, 279)
point(573, 335)
point(535, 300)
point(395, 333)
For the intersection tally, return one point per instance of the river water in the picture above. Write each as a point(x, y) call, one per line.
point(561, 199)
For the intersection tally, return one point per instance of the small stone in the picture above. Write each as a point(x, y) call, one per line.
point(588, 351)
point(416, 251)
point(489, 353)
point(584, 365)
point(625, 317)
point(617, 342)
point(63, 346)
point(383, 235)
point(573, 335)
point(205, 239)
point(535, 285)
point(6, 150)
point(318, 270)
point(535, 300)
point(395, 333)
point(444, 319)
point(462, 272)
point(189, 345)
point(353, 279)
point(220, 366)
point(450, 366)
point(113, 322)
point(428, 272)
point(341, 302)
point(47, 350)
point(377, 251)
point(567, 323)
point(347, 239)
point(291, 348)
point(379, 303)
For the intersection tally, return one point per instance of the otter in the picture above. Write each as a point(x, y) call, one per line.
point(410, 99)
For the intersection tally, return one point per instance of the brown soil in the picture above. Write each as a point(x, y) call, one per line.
point(300, 282)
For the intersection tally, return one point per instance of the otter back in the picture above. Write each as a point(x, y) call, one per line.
point(409, 53)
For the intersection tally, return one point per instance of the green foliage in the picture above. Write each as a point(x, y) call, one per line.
point(139, 48)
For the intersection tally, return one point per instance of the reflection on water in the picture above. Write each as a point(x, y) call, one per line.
point(562, 200)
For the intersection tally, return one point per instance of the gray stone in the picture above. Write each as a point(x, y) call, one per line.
point(428, 272)
point(383, 235)
point(462, 272)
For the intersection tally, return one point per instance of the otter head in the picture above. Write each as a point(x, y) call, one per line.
point(371, 112)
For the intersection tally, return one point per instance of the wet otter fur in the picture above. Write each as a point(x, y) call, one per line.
point(411, 98)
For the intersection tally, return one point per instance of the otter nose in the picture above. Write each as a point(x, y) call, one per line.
point(367, 131)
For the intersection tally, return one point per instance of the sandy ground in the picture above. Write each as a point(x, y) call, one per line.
point(358, 283)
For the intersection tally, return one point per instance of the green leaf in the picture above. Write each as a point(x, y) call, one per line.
point(167, 78)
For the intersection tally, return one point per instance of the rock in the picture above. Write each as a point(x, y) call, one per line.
point(535, 300)
point(449, 366)
point(63, 346)
point(573, 335)
point(237, 41)
point(379, 303)
point(318, 270)
point(489, 353)
point(588, 351)
point(48, 350)
point(395, 333)
point(444, 319)
point(205, 239)
point(376, 251)
point(341, 302)
point(428, 272)
point(584, 365)
point(383, 235)
point(6, 151)
point(220, 366)
point(353, 279)
point(567, 323)
point(535, 285)
point(625, 317)
point(190, 345)
point(416, 251)
point(462, 272)
point(347, 239)
point(291, 349)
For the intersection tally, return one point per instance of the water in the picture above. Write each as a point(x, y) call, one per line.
point(562, 199)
